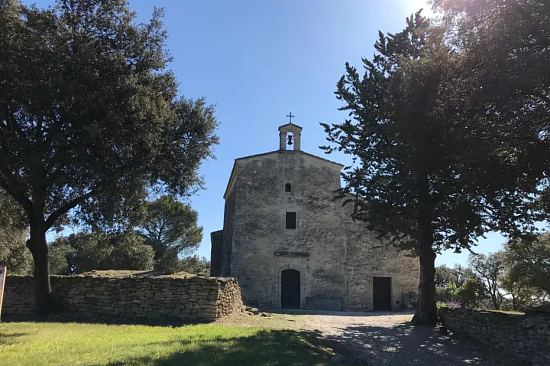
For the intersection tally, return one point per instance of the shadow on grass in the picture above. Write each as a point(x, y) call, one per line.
point(98, 319)
point(7, 339)
point(265, 348)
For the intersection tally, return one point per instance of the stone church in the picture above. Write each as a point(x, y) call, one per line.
point(290, 244)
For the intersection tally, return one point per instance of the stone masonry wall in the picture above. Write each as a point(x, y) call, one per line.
point(336, 257)
point(525, 337)
point(142, 299)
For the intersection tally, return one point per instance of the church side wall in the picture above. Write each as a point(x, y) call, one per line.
point(368, 256)
point(227, 236)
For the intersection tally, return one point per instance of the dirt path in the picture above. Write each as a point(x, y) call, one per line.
point(389, 339)
point(385, 339)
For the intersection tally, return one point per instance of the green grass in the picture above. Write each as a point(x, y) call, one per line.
point(38, 344)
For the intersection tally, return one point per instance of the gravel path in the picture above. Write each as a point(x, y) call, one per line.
point(388, 339)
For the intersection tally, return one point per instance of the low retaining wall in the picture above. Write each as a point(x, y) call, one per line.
point(525, 337)
point(142, 299)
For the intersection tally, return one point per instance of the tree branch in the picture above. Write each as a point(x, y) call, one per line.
point(54, 216)
point(14, 189)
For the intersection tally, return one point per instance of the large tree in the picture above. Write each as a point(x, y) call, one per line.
point(490, 270)
point(90, 118)
point(421, 176)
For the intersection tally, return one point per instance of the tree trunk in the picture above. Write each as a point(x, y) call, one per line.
point(39, 249)
point(426, 311)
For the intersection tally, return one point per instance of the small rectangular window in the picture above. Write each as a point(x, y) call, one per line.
point(291, 220)
point(288, 187)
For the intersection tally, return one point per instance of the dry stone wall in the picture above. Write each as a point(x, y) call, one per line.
point(140, 299)
point(525, 337)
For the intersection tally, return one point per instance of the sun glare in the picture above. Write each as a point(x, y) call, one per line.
point(416, 5)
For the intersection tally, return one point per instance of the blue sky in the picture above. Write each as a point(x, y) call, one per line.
point(256, 61)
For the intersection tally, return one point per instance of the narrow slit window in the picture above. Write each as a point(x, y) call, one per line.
point(288, 187)
point(291, 220)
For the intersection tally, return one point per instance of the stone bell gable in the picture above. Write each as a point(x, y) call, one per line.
point(291, 244)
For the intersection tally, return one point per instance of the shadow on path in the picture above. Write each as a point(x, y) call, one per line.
point(405, 344)
point(337, 313)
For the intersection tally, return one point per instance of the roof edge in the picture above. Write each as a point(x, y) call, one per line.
point(233, 174)
point(290, 152)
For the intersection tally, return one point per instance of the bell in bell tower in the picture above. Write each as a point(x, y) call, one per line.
point(289, 136)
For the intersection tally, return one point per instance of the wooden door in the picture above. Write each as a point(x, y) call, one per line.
point(290, 289)
point(381, 290)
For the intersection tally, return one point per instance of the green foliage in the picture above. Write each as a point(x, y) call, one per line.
point(459, 285)
point(501, 84)
point(85, 252)
point(471, 293)
point(448, 129)
point(13, 234)
point(446, 292)
point(90, 118)
point(171, 228)
point(529, 261)
point(444, 275)
point(490, 269)
point(196, 265)
point(58, 256)
point(402, 182)
point(527, 274)
point(417, 166)
point(515, 278)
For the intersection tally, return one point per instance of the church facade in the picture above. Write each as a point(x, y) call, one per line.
point(290, 244)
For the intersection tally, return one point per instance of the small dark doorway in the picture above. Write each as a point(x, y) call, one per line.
point(290, 289)
point(381, 290)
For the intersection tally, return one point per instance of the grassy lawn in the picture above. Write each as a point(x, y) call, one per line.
point(30, 343)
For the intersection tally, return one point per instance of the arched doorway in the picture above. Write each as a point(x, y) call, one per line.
point(290, 289)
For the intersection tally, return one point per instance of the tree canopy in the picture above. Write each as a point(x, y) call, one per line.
point(171, 228)
point(84, 252)
point(13, 234)
point(439, 158)
point(90, 117)
point(529, 262)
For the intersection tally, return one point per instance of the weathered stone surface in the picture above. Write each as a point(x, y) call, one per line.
point(525, 337)
point(337, 258)
point(146, 299)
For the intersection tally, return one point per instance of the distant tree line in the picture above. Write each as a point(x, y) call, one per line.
point(163, 239)
point(516, 278)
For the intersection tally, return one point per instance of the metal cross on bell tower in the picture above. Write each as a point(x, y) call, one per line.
point(290, 115)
